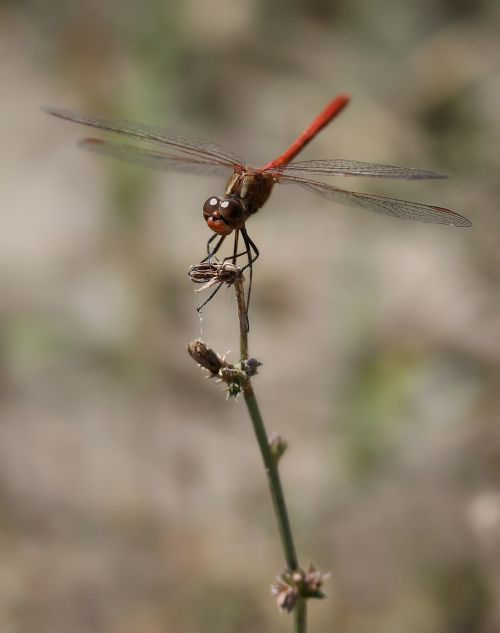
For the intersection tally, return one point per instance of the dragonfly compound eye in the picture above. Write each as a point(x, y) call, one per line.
point(233, 212)
point(214, 218)
point(210, 206)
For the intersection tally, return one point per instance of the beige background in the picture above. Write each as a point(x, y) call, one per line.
point(132, 494)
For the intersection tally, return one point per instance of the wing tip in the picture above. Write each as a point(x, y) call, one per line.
point(456, 219)
point(57, 112)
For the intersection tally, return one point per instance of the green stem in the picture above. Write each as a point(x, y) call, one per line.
point(273, 478)
point(270, 462)
point(300, 616)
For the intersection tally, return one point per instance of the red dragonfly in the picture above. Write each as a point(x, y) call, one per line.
point(249, 187)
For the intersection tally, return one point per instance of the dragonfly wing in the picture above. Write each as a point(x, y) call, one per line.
point(179, 141)
point(389, 206)
point(341, 167)
point(151, 158)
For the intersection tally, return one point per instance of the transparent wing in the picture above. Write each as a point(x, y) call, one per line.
point(154, 159)
point(389, 206)
point(341, 167)
point(180, 141)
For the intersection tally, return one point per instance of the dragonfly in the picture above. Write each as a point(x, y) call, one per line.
point(248, 187)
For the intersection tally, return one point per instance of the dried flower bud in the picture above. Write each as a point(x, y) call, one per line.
point(290, 585)
point(312, 582)
point(286, 595)
point(298, 576)
point(205, 356)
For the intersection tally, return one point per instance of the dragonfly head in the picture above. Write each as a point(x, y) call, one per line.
point(224, 216)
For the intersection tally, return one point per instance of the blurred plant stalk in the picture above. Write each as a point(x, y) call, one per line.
point(293, 586)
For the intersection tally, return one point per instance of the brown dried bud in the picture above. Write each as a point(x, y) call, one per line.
point(205, 357)
point(290, 585)
point(313, 581)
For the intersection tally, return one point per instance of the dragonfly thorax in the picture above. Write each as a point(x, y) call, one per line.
point(252, 188)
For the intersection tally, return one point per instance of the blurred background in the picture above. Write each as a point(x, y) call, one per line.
point(132, 494)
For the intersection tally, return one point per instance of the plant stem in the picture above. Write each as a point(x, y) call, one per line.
point(273, 478)
point(300, 616)
point(270, 463)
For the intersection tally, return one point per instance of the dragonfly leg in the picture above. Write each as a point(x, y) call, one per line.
point(251, 250)
point(250, 246)
point(235, 247)
point(212, 295)
point(211, 253)
point(208, 259)
point(252, 253)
